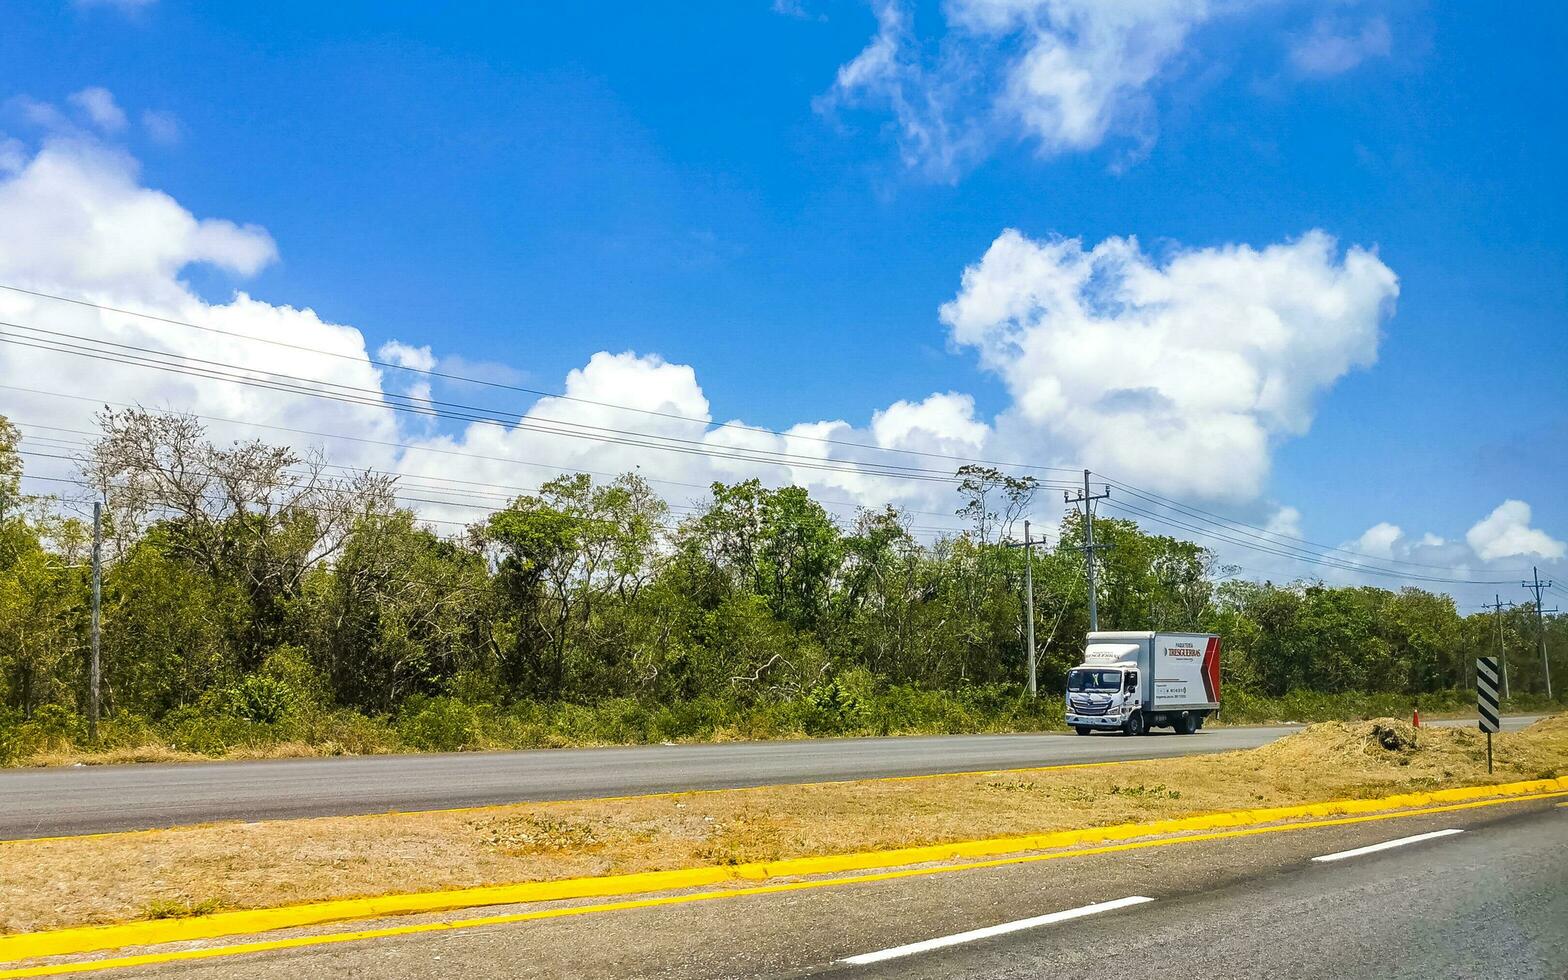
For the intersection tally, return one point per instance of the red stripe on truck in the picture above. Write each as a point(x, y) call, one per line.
point(1211, 670)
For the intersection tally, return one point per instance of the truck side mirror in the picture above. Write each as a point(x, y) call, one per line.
point(1131, 683)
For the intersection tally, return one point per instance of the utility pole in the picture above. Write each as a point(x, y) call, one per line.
point(1502, 655)
point(1540, 622)
point(1087, 499)
point(93, 671)
point(1028, 546)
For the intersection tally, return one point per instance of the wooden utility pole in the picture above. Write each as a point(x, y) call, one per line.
point(1028, 546)
point(94, 670)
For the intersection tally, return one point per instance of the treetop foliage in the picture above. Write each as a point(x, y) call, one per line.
point(251, 582)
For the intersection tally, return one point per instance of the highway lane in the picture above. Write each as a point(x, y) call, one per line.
point(1489, 901)
point(95, 799)
point(1476, 905)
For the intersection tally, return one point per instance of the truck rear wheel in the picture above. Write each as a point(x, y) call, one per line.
point(1134, 724)
point(1189, 723)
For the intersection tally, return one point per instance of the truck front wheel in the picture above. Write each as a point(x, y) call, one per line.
point(1135, 725)
point(1082, 729)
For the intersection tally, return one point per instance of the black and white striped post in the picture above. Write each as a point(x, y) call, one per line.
point(1486, 701)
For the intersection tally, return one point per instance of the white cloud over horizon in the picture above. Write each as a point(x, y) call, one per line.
point(1197, 363)
point(1506, 533)
point(1196, 366)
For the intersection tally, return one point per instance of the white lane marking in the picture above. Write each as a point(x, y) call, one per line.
point(1371, 848)
point(1006, 927)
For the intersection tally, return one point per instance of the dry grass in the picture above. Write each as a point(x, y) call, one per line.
point(158, 752)
point(50, 884)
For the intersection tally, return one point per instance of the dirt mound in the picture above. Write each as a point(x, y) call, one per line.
point(1381, 745)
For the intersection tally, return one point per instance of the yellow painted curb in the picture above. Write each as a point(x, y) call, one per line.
point(191, 953)
point(96, 938)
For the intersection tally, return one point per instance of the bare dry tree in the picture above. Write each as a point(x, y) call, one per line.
point(260, 511)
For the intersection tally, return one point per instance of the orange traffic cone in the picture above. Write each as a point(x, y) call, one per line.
point(1415, 719)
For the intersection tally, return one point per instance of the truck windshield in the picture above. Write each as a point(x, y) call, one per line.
point(1094, 680)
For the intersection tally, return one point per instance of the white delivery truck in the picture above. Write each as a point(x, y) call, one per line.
point(1132, 682)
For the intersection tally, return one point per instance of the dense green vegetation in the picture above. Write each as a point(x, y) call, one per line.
point(252, 598)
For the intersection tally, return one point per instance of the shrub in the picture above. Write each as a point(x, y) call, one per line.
point(343, 732)
point(439, 724)
point(260, 698)
point(205, 733)
point(291, 667)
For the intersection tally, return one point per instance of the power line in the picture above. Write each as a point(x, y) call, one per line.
point(1294, 554)
point(294, 566)
point(1266, 535)
point(504, 488)
point(1303, 558)
point(198, 367)
point(502, 495)
point(219, 499)
point(430, 373)
point(498, 501)
point(1300, 556)
point(374, 398)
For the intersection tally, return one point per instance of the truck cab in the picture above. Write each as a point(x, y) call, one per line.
point(1133, 681)
point(1102, 696)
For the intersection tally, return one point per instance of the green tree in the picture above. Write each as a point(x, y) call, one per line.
point(563, 554)
point(400, 612)
point(168, 630)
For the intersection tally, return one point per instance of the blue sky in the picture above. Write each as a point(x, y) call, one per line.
point(526, 187)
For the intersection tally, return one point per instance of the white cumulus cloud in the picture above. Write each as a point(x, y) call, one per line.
point(1506, 533)
point(1181, 373)
point(91, 225)
point(1378, 541)
point(93, 232)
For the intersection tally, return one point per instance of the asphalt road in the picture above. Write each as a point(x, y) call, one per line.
point(1483, 904)
point(96, 799)
point(1489, 901)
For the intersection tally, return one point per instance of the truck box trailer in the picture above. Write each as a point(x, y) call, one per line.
point(1134, 681)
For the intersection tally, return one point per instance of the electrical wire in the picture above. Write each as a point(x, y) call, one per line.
point(133, 355)
point(510, 490)
point(503, 496)
point(372, 398)
point(1266, 535)
point(1297, 557)
point(445, 376)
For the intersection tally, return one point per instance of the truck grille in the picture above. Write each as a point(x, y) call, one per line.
point(1088, 708)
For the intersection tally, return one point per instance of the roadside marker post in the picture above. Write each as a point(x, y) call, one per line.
point(1486, 703)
